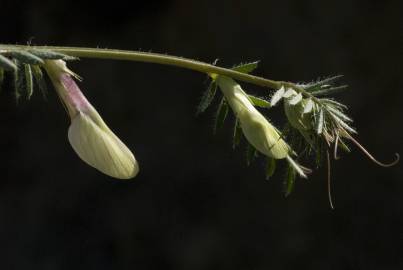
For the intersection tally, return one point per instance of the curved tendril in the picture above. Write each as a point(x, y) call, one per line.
point(329, 187)
point(336, 145)
point(365, 151)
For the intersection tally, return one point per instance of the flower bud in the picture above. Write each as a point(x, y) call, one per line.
point(258, 131)
point(297, 116)
point(88, 134)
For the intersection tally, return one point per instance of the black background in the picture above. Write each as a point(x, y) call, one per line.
point(195, 203)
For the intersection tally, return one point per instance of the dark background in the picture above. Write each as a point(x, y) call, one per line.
point(195, 203)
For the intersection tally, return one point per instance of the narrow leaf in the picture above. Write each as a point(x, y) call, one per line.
point(277, 96)
point(221, 115)
point(18, 82)
point(25, 57)
point(320, 121)
point(270, 167)
point(28, 81)
point(344, 125)
point(259, 102)
point(317, 85)
point(344, 146)
point(333, 102)
point(329, 91)
point(7, 64)
point(338, 113)
point(207, 97)
point(237, 134)
point(308, 106)
point(39, 79)
point(247, 67)
point(251, 153)
point(51, 55)
point(295, 100)
point(289, 180)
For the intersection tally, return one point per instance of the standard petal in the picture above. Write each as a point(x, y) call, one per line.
point(101, 148)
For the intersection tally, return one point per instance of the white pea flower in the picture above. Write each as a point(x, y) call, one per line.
point(88, 134)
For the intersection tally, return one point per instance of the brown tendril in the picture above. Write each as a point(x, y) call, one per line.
point(336, 145)
point(329, 187)
point(372, 158)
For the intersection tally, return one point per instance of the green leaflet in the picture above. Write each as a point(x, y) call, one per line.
point(308, 106)
point(7, 64)
point(207, 97)
point(40, 81)
point(329, 90)
point(338, 113)
point(289, 180)
point(296, 99)
point(259, 102)
point(25, 57)
point(29, 83)
point(277, 96)
point(270, 167)
point(51, 55)
point(344, 146)
point(237, 134)
point(316, 86)
point(221, 114)
point(247, 67)
point(320, 119)
point(18, 81)
point(343, 124)
point(333, 102)
point(251, 153)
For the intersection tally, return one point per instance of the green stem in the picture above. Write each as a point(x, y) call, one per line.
point(154, 58)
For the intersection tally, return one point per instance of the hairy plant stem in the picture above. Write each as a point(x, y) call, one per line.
point(163, 60)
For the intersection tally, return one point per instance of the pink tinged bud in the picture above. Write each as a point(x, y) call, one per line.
point(88, 134)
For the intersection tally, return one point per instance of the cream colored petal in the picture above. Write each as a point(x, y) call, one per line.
point(101, 149)
point(263, 136)
point(256, 128)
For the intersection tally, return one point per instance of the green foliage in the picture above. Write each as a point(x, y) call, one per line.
point(259, 102)
point(29, 82)
point(207, 97)
point(308, 106)
point(7, 64)
point(277, 96)
point(39, 79)
point(289, 180)
point(251, 153)
point(25, 57)
point(329, 90)
point(18, 81)
point(324, 87)
point(50, 55)
point(246, 67)
point(270, 167)
point(320, 120)
point(221, 114)
point(25, 65)
point(296, 99)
